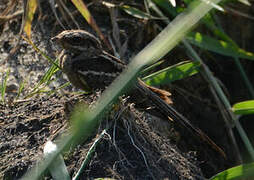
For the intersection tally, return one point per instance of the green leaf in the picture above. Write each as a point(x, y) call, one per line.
point(137, 13)
point(172, 73)
point(217, 31)
point(218, 46)
point(4, 84)
point(238, 172)
point(245, 107)
point(165, 5)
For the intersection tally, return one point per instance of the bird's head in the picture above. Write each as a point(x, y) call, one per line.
point(77, 41)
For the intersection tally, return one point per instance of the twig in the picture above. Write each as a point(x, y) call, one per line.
point(69, 13)
point(89, 155)
point(4, 19)
point(228, 125)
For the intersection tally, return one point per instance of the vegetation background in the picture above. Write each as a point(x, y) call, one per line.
point(209, 74)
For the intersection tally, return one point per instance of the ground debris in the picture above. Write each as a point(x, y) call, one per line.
point(133, 148)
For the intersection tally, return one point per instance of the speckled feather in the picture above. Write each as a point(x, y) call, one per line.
point(84, 62)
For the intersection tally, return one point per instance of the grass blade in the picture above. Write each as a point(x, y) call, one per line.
point(243, 108)
point(21, 88)
point(238, 172)
point(4, 84)
point(218, 46)
point(137, 13)
point(82, 8)
point(31, 7)
point(172, 73)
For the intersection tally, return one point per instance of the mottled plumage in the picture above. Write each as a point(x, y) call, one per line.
point(84, 62)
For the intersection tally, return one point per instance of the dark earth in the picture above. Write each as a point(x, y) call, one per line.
point(137, 145)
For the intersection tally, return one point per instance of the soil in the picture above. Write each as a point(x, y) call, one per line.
point(137, 145)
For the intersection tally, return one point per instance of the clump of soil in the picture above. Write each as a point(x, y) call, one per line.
point(134, 148)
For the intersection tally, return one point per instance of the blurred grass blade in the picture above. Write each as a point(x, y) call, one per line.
point(246, 2)
point(80, 5)
point(238, 172)
point(245, 107)
point(173, 3)
point(137, 13)
point(172, 73)
point(4, 84)
point(57, 169)
point(218, 46)
point(216, 6)
point(31, 7)
point(86, 120)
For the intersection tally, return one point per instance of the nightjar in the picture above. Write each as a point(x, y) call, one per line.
point(89, 67)
point(84, 62)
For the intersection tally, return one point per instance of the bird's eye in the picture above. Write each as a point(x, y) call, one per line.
point(76, 40)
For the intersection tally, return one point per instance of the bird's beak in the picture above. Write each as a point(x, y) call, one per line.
point(56, 43)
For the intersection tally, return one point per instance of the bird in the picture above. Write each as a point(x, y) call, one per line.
point(89, 67)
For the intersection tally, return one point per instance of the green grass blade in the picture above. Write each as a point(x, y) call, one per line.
point(243, 108)
point(4, 84)
point(238, 172)
point(137, 13)
point(41, 52)
point(172, 73)
point(21, 88)
point(207, 73)
point(164, 4)
point(151, 67)
point(46, 78)
point(209, 22)
point(218, 32)
point(218, 46)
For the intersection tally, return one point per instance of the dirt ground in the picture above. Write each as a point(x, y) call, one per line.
point(137, 145)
